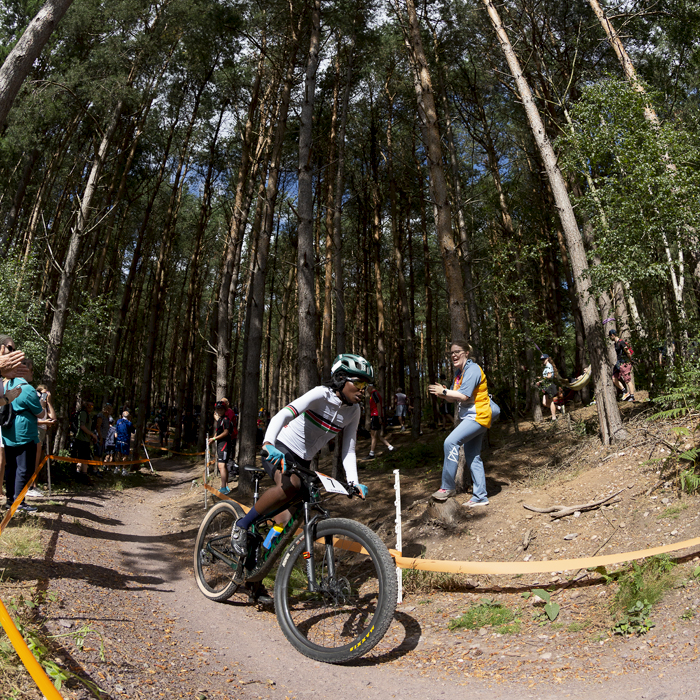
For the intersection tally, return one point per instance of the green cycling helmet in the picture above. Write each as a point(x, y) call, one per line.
point(353, 366)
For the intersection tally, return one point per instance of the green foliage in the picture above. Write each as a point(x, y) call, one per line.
point(646, 583)
point(636, 620)
point(682, 397)
point(551, 609)
point(21, 317)
point(486, 613)
point(40, 647)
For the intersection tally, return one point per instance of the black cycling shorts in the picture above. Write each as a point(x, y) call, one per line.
point(271, 468)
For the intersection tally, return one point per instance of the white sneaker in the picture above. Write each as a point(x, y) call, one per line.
point(34, 493)
point(391, 448)
point(125, 472)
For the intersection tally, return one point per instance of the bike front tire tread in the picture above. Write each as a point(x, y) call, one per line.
point(388, 595)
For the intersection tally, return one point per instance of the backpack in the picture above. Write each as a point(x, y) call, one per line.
point(7, 416)
point(74, 424)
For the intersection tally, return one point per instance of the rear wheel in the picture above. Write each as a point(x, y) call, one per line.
point(215, 562)
point(356, 597)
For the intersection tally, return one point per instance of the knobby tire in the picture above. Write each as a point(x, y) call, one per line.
point(213, 573)
point(354, 609)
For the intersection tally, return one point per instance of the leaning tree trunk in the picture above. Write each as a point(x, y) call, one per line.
point(308, 364)
point(60, 316)
point(608, 410)
point(20, 60)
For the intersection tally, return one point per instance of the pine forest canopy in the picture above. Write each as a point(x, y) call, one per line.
point(211, 198)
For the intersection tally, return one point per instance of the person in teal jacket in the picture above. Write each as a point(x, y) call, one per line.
point(21, 437)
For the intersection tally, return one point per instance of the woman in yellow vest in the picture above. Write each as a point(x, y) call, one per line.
point(475, 411)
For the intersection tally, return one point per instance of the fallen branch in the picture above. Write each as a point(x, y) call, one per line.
point(527, 539)
point(563, 511)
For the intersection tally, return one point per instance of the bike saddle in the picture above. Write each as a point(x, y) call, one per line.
point(255, 470)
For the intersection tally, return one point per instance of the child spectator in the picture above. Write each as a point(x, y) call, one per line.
point(123, 442)
point(110, 441)
point(222, 437)
point(622, 372)
point(376, 421)
point(401, 407)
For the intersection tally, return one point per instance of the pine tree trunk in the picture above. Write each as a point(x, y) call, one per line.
point(608, 410)
point(308, 367)
point(60, 317)
point(438, 184)
point(250, 385)
point(235, 239)
point(19, 61)
point(338, 210)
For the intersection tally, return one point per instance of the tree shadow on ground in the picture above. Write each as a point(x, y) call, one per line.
point(25, 569)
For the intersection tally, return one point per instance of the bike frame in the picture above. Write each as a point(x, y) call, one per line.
point(301, 507)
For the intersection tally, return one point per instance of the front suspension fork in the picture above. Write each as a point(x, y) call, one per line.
point(309, 530)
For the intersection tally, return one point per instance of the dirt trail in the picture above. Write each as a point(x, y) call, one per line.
point(122, 562)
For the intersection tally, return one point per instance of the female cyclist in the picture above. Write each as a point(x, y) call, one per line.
point(302, 428)
point(475, 411)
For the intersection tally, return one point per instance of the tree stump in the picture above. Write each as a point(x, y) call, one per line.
point(448, 512)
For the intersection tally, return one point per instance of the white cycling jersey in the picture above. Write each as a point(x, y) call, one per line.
point(312, 421)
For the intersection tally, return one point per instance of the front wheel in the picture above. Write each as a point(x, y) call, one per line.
point(356, 594)
point(215, 561)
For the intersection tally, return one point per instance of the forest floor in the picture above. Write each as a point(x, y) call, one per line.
point(104, 577)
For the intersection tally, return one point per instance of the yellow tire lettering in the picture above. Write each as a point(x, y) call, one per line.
point(364, 639)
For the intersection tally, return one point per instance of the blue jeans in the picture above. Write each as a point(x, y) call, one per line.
point(468, 434)
point(20, 461)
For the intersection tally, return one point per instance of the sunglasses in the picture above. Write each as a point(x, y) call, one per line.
point(359, 384)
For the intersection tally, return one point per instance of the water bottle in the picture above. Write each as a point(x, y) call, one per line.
point(273, 536)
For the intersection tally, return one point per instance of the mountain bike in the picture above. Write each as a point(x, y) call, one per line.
point(335, 589)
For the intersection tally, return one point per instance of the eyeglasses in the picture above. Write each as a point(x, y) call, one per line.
point(456, 352)
point(359, 384)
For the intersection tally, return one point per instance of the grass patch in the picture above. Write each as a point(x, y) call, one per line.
point(648, 582)
point(487, 613)
point(511, 628)
point(579, 626)
point(673, 511)
point(23, 540)
point(417, 581)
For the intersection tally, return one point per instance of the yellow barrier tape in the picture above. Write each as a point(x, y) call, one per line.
point(510, 567)
point(96, 462)
point(24, 653)
point(534, 567)
point(22, 493)
point(30, 663)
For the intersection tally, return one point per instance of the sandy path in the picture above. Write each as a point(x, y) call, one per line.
point(249, 641)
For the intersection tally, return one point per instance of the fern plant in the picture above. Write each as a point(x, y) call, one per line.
point(683, 399)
